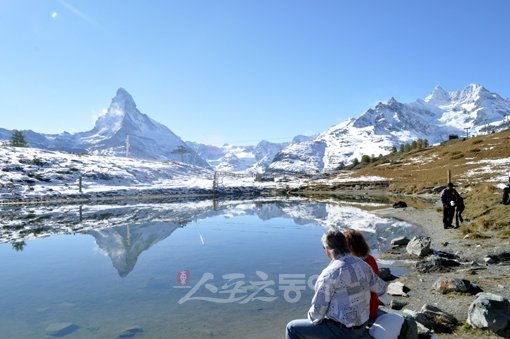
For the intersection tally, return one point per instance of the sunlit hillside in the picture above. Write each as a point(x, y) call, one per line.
point(479, 168)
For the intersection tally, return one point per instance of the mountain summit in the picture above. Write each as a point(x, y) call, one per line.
point(123, 129)
point(390, 124)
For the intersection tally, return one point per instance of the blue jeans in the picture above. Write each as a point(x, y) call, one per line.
point(305, 329)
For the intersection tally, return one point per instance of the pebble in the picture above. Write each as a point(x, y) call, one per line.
point(130, 332)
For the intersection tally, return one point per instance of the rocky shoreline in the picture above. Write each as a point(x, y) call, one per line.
point(479, 266)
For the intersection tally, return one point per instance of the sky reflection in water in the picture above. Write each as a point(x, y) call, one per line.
point(223, 275)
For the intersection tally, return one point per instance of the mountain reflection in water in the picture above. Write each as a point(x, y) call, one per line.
point(124, 231)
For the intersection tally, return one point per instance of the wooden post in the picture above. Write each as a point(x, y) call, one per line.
point(80, 182)
point(448, 176)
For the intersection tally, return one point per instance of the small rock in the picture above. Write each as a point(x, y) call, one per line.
point(130, 332)
point(444, 254)
point(419, 246)
point(423, 332)
point(61, 329)
point(436, 264)
point(400, 241)
point(386, 275)
point(409, 328)
point(447, 285)
point(397, 288)
point(397, 305)
point(489, 260)
point(400, 204)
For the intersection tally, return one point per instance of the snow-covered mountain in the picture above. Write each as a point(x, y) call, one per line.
point(392, 123)
point(122, 130)
point(245, 159)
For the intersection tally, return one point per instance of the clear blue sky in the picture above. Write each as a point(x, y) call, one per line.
point(239, 71)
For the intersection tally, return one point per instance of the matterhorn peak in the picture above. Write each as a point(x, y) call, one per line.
point(123, 100)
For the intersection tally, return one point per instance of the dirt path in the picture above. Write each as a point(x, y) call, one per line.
point(490, 278)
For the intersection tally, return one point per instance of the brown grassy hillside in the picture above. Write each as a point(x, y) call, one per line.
point(477, 166)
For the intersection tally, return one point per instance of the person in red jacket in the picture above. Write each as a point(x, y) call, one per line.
point(359, 247)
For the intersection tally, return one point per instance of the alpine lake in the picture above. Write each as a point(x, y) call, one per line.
point(171, 269)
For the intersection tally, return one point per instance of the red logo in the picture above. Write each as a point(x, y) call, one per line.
point(182, 277)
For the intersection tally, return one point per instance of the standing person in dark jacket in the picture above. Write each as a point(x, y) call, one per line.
point(506, 193)
point(449, 198)
point(459, 208)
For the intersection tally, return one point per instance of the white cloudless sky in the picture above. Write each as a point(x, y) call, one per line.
point(239, 71)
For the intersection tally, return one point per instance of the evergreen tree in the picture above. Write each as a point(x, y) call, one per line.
point(394, 149)
point(365, 159)
point(18, 139)
point(355, 162)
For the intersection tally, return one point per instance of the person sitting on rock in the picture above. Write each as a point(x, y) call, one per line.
point(341, 303)
point(359, 248)
point(449, 198)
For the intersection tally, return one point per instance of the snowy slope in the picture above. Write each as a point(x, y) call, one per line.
point(240, 159)
point(393, 123)
point(35, 174)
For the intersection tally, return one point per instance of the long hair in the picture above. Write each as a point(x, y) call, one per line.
point(356, 243)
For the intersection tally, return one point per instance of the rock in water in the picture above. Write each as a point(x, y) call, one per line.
point(130, 332)
point(490, 311)
point(61, 329)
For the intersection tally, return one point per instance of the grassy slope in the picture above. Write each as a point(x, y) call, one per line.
point(421, 170)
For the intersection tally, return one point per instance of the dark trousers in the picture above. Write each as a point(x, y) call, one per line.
point(448, 213)
point(458, 215)
point(506, 193)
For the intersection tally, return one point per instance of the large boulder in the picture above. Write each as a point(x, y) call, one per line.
point(419, 246)
point(490, 311)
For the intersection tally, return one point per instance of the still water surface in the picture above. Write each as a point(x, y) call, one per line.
point(226, 274)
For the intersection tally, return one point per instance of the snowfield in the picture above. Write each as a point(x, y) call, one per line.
point(34, 174)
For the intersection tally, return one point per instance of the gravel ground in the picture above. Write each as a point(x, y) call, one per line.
point(493, 278)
